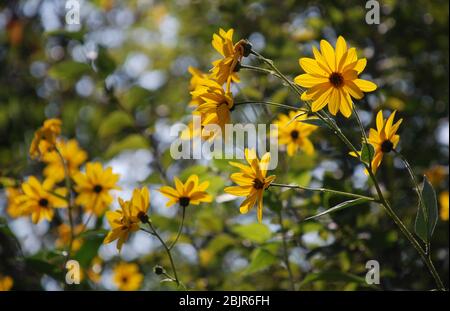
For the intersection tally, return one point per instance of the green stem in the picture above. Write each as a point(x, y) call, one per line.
point(346, 194)
point(261, 70)
point(180, 228)
point(169, 254)
point(266, 103)
point(285, 252)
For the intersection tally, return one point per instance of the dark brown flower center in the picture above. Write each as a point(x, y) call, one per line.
point(124, 279)
point(184, 201)
point(387, 146)
point(294, 134)
point(336, 79)
point(98, 188)
point(142, 217)
point(258, 184)
point(43, 202)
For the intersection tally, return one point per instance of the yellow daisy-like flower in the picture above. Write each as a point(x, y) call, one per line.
point(64, 236)
point(294, 134)
point(72, 154)
point(122, 222)
point(216, 107)
point(191, 192)
point(443, 201)
point(252, 181)
point(6, 283)
point(225, 69)
point(384, 139)
point(436, 174)
point(15, 209)
point(140, 202)
point(332, 78)
point(93, 187)
point(38, 200)
point(45, 138)
point(127, 276)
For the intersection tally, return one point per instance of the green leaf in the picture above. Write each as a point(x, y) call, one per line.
point(114, 123)
point(89, 249)
point(260, 260)
point(69, 70)
point(427, 214)
point(316, 122)
point(134, 141)
point(104, 63)
point(367, 153)
point(339, 207)
point(258, 233)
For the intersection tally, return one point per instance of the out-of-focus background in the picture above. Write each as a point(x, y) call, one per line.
point(125, 68)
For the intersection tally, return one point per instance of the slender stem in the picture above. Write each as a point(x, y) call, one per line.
point(167, 251)
point(363, 133)
point(414, 180)
point(261, 70)
point(266, 103)
point(180, 228)
point(285, 252)
point(346, 194)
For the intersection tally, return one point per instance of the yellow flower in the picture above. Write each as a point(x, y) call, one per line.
point(73, 155)
point(93, 187)
point(6, 283)
point(94, 272)
point(384, 139)
point(215, 107)
point(140, 202)
point(332, 78)
point(127, 276)
point(191, 192)
point(45, 138)
point(294, 134)
point(252, 181)
point(122, 222)
point(443, 201)
point(15, 209)
point(225, 69)
point(436, 174)
point(64, 237)
point(38, 200)
point(197, 77)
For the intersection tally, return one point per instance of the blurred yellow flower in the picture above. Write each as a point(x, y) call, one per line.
point(6, 283)
point(443, 201)
point(63, 239)
point(225, 69)
point(39, 200)
point(332, 78)
point(45, 138)
point(190, 192)
point(15, 209)
point(93, 187)
point(436, 174)
point(94, 272)
point(294, 134)
point(72, 154)
point(127, 276)
point(122, 223)
point(252, 181)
